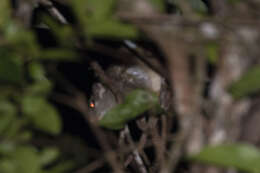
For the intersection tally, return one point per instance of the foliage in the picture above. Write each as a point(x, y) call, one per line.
point(24, 104)
point(248, 84)
point(97, 20)
point(136, 103)
point(159, 4)
point(240, 156)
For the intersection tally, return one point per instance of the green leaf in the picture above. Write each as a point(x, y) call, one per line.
point(10, 67)
point(93, 10)
point(111, 28)
point(5, 12)
point(42, 85)
point(136, 103)
point(58, 54)
point(24, 136)
point(98, 20)
point(248, 84)
point(40, 88)
point(22, 159)
point(22, 41)
point(48, 155)
point(7, 114)
point(42, 114)
point(159, 4)
point(240, 156)
point(7, 147)
point(7, 166)
point(14, 129)
point(26, 160)
point(101, 9)
point(37, 71)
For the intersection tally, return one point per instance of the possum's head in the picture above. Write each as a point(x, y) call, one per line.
point(101, 101)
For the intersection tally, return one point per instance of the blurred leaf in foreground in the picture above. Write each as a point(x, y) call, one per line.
point(7, 114)
point(41, 85)
point(94, 10)
point(136, 103)
point(25, 160)
point(48, 155)
point(248, 84)
point(5, 12)
point(58, 55)
point(42, 114)
point(111, 28)
point(100, 9)
point(159, 4)
point(22, 41)
point(10, 67)
point(97, 19)
point(240, 156)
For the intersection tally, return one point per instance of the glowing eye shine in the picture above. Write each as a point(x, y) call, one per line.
point(91, 105)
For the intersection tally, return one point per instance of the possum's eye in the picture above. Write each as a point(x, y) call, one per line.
point(91, 104)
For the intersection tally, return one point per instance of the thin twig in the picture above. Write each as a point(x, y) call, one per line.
point(136, 154)
point(157, 142)
point(53, 11)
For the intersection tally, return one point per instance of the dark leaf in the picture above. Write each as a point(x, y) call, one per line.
point(10, 67)
point(42, 114)
point(136, 103)
point(248, 84)
point(240, 156)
